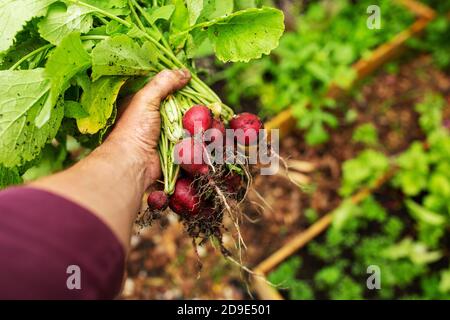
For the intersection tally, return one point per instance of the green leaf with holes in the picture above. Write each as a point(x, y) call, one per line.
point(22, 96)
point(14, 14)
point(68, 59)
point(99, 101)
point(121, 56)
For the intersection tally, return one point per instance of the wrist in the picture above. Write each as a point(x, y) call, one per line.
point(123, 160)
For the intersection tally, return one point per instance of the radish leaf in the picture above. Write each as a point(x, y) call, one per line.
point(120, 55)
point(22, 95)
point(163, 13)
point(99, 102)
point(247, 34)
point(68, 59)
point(9, 176)
point(61, 21)
point(74, 110)
point(14, 14)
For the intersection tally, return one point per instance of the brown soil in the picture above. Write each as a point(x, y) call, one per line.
point(163, 264)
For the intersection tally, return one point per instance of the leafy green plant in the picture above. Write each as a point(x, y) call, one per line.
point(366, 134)
point(284, 278)
point(436, 40)
point(438, 5)
point(63, 64)
point(425, 171)
point(364, 170)
point(408, 243)
point(330, 37)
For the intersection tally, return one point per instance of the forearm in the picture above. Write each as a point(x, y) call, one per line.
point(43, 236)
point(110, 183)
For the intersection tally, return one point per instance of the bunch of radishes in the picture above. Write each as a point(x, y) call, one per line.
point(202, 185)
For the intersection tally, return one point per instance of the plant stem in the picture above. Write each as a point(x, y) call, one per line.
point(103, 20)
point(94, 37)
point(136, 17)
point(151, 24)
point(31, 54)
point(103, 12)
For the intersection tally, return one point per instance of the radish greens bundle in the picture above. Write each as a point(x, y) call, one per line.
point(63, 65)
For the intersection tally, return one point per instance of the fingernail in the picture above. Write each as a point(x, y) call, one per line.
point(184, 73)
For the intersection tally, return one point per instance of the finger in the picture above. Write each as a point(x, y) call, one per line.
point(162, 85)
point(123, 105)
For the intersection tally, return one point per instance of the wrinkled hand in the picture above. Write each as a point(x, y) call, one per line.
point(138, 127)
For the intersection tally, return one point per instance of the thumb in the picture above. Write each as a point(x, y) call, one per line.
point(163, 84)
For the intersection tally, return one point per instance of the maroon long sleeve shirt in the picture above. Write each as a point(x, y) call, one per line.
point(51, 248)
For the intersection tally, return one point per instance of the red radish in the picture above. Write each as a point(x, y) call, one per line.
point(185, 199)
point(216, 132)
point(249, 125)
point(189, 154)
point(157, 201)
point(232, 182)
point(197, 119)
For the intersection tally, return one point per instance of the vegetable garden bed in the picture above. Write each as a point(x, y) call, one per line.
point(285, 120)
point(250, 230)
point(390, 146)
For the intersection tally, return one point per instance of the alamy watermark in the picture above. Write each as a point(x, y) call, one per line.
point(73, 281)
point(374, 20)
point(374, 280)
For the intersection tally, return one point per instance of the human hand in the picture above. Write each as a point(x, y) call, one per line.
point(110, 181)
point(138, 127)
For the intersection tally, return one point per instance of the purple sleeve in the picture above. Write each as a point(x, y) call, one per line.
point(42, 235)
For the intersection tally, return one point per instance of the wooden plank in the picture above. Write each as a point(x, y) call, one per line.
point(265, 290)
point(294, 245)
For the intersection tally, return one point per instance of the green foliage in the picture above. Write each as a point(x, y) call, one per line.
point(99, 101)
point(408, 243)
point(366, 134)
point(440, 6)
point(15, 14)
point(401, 261)
point(436, 40)
point(426, 172)
point(63, 63)
point(50, 161)
point(62, 20)
point(364, 170)
point(414, 165)
point(246, 35)
point(22, 95)
point(330, 37)
point(284, 277)
point(120, 55)
point(9, 177)
point(430, 111)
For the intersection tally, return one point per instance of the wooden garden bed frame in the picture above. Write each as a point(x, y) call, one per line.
point(285, 122)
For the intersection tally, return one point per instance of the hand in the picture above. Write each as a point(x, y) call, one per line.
point(139, 124)
point(110, 181)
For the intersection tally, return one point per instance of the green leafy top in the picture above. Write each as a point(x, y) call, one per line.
point(14, 14)
point(70, 58)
